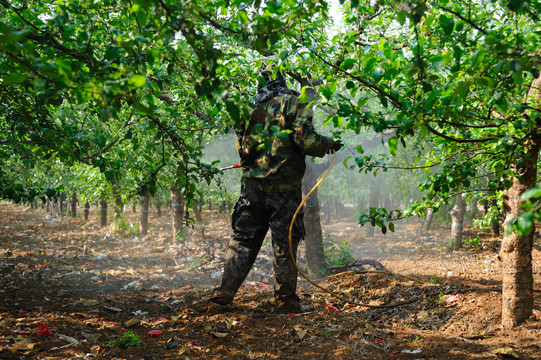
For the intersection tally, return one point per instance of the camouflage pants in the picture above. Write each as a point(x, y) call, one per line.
point(254, 213)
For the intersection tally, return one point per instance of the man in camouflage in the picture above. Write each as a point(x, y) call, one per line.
point(272, 145)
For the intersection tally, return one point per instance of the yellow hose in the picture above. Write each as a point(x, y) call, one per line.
point(306, 277)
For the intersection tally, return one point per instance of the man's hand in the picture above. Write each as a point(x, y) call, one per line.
point(336, 146)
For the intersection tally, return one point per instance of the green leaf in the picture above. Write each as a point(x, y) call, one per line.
point(348, 64)
point(137, 81)
point(14, 78)
point(525, 223)
point(393, 144)
point(447, 24)
point(531, 193)
point(233, 110)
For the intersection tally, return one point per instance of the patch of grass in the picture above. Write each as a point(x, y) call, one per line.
point(129, 338)
point(472, 242)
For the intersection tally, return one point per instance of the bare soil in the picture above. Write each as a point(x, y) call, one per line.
point(89, 286)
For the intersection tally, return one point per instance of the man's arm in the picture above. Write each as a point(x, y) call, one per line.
point(306, 136)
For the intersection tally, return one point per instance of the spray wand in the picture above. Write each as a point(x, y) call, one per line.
point(236, 166)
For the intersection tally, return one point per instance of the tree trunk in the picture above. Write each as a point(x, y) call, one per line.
point(74, 205)
point(62, 203)
point(427, 224)
point(373, 202)
point(158, 208)
point(457, 222)
point(134, 207)
point(516, 251)
point(86, 210)
point(315, 256)
point(177, 206)
point(119, 205)
point(103, 213)
point(143, 225)
point(197, 212)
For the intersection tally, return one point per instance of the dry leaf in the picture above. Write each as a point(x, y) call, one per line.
point(132, 322)
point(23, 345)
point(112, 308)
point(474, 336)
point(507, 351)
point(90, 302)
point(218, 334)
point(230, 323)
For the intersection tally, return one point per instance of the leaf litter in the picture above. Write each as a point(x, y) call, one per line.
point(49, 280)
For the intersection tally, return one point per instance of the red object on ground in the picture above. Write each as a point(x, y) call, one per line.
point(154, 333)
point(333, 308)
point(44, 330)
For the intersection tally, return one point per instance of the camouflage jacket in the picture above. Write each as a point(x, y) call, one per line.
point(274, 141)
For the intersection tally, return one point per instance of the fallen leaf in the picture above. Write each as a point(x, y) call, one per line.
point(86, 302)
point(112, 308)
point(230, 323)
point(132, 322)
point(23, 345)
point(506, 351)
point(474, 336)
point(218, 334)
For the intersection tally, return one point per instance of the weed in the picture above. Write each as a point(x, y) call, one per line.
point(417, 339)
point(435, 279)
point(326, 333)
point(472, 242)
point(128, 339)
point(123, 225)
point(337, 254)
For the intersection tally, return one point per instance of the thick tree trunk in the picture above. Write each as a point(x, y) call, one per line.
point(457, 222)
point(143, 225)
point(373, 202)
point(86, 210)
point(103, 213)
point(516, 251)
point(315, 257)
point(74, 205)
point(177, 206)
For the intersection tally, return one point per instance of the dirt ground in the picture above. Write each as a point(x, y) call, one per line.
point(72, 290)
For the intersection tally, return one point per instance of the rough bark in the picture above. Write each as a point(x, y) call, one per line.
point(177, 206)
point(427, 224)
point(516, 251)
point(86, 210)
point(103, 213)
point(457, 222)
point(74, 205)
point(197, 212)
point(158, 208)
point(315, 257)
point(119, 205)
point(62, 203)
point(143, 219)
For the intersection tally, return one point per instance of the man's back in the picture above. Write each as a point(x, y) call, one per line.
point(273, 143)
